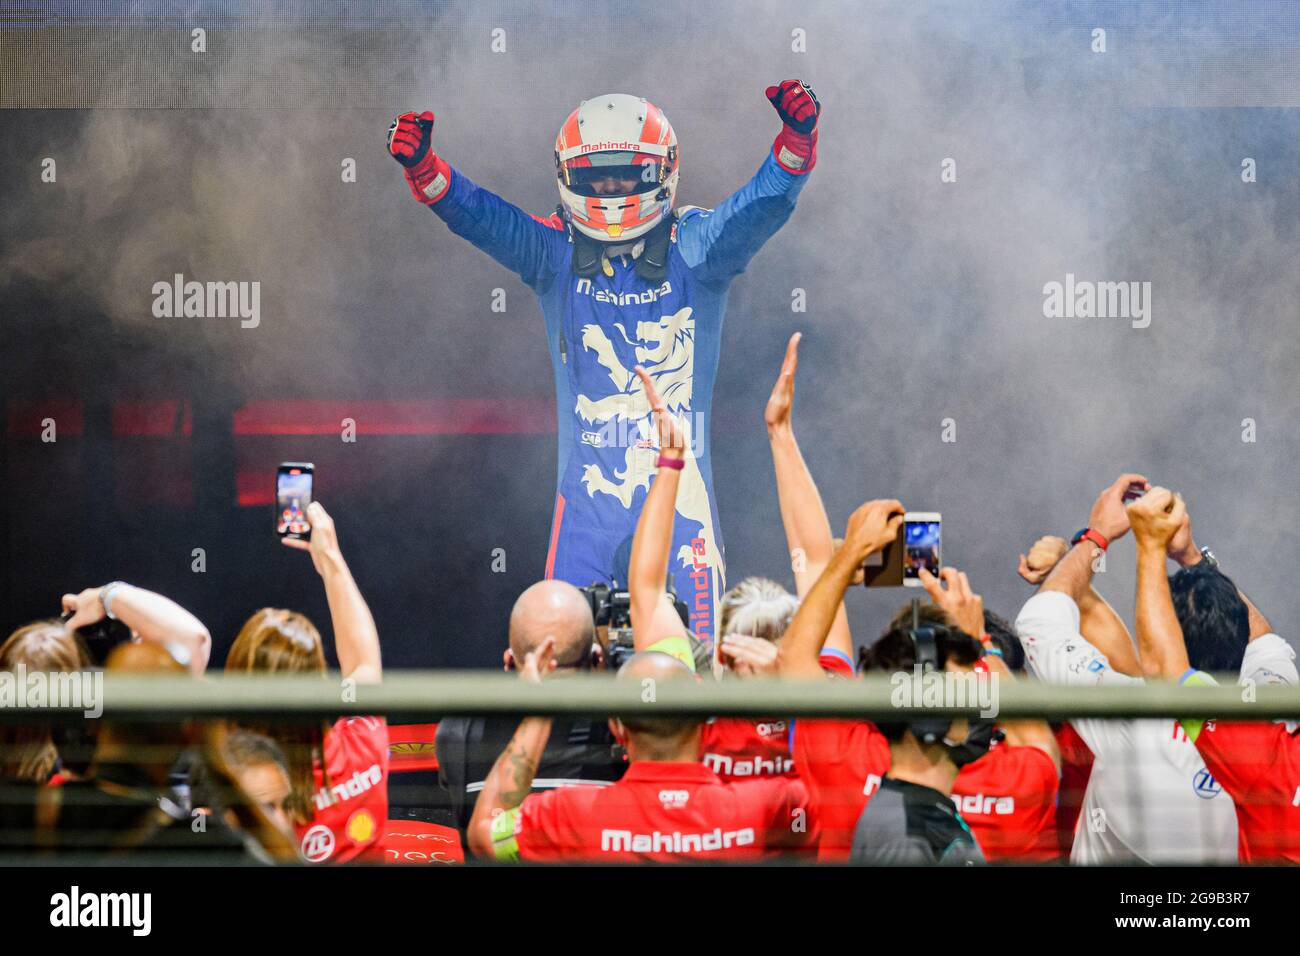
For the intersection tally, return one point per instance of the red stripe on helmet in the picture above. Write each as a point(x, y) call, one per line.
point(570, 135)
point(593, 205)
point(652, 128)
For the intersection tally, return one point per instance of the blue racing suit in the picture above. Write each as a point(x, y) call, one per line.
point(599, 328)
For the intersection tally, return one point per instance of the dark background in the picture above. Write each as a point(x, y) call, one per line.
point(924, 299)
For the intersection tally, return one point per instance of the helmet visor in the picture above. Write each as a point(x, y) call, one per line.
point(613, 174)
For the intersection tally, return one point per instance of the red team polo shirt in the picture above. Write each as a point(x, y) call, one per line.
point(352, 811)
point(844, 761)
point(1008, 797)
point(737, 748)
point(1259, 766)
point(668, 813)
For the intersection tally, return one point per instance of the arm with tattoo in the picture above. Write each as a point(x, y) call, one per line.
point(510, 781)
point(491, 829)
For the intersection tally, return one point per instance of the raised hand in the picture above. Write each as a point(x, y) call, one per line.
point(795, 147)
point(672, 437)
point(1182, 548)
point(324, 543)
point(1157, 517)
point(1109, 517)
point(1042, 557)
point(871, 527)
point(963, 606)
point(781, 401)
point(410, 140)
point(86, 608)
point(796, 103)
point(410, 137)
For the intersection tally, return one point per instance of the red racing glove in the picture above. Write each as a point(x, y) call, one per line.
point(409, 142)
point(795, 147)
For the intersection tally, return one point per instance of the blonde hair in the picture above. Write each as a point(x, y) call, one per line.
point(27, 751)
point(758, 607)
point(276, 641)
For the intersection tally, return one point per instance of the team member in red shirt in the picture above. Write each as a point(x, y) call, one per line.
point(338, 773)
point(668, 808)
point(852, 756)
point(1009, 795)
point(845, 761)
point(752, 617)
point(1257, 763)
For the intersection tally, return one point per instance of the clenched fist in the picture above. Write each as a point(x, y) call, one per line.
point(1156, 517)
point(795, 147)
point(410, 139)
point(1042, 557)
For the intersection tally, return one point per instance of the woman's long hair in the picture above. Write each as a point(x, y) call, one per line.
point(27, 751)
point(276, 641)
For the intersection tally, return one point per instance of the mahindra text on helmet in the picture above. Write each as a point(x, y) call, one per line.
point(616, 123)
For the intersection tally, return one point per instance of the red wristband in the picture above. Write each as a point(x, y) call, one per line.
point(1096, 537)
point(675, 463)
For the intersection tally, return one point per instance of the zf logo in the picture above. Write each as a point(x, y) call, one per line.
point(318, 843)
point(1206, 787)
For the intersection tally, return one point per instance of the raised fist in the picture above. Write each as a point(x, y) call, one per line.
point(1157, 517)
point(797, 104)
point(409, 138)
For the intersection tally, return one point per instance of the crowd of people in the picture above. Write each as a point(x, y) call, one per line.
point(916, 790)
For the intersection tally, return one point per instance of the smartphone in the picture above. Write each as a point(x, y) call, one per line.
point(1136, 490)
point(922, 540)
point(293, 483)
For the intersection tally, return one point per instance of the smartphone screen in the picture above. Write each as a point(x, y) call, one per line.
point(293, 481)
point(921, 545)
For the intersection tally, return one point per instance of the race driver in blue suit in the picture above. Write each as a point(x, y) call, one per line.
point(624, 279)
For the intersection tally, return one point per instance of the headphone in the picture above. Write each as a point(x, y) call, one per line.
point(934, 730)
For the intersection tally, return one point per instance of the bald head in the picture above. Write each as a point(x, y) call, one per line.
point(655, 665)
point(552, 609)
point(654, 733)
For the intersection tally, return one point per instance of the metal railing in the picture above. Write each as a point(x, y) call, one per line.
point(419, 695)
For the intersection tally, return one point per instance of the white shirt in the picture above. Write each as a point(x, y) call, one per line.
point(1149, 798)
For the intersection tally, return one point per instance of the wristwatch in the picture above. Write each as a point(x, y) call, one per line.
point(106, 598)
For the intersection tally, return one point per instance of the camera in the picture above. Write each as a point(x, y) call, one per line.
point(101, 637)
point(611, 608)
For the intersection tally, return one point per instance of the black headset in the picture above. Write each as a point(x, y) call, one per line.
point(934, 730)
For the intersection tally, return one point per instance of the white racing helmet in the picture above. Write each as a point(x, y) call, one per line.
point(616, 166)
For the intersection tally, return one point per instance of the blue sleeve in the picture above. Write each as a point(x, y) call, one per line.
point(509, 235)
point(717, 244)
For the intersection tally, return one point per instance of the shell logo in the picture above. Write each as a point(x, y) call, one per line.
point(407, 748)
point(361, 827)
